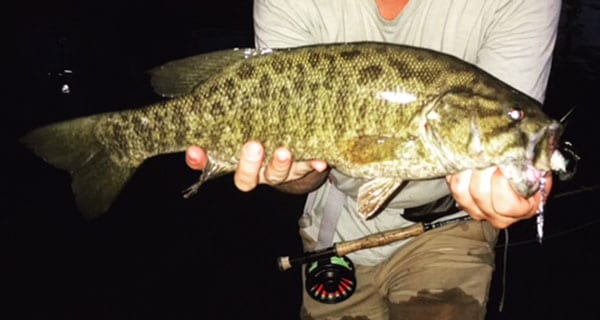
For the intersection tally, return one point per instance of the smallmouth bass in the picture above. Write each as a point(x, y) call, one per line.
point(382, 112)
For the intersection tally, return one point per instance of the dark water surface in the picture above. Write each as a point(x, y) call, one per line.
point(155, 255)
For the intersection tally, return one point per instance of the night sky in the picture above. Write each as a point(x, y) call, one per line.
point(156, 255)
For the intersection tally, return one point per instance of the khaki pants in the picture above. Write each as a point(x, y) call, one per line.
point(444, 273)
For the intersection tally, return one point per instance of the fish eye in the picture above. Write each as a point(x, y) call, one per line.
point(516, 114)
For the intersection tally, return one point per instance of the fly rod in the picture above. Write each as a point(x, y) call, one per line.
point(374, 240)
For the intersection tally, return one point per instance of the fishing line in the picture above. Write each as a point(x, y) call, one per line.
point(576, 191)
point(504, 271)
point(553, 235)
point(506, 244)
point(564, 232)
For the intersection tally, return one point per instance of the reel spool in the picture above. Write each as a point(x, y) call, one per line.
point(330, 280)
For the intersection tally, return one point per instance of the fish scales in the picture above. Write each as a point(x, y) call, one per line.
point(370, 110)
point(303, 110)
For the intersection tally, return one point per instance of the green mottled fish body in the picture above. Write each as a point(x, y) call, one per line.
point(383, 112)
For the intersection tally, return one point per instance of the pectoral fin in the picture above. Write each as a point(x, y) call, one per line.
point(375, 194)
point(213, 169)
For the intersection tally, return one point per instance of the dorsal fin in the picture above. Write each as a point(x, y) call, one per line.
point(181, 77)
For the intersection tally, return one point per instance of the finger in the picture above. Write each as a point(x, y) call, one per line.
point(459, 184)
point(300, 169)
point(195, 158)
point(501, 222)
point(506, 202)
point(283, 168)
point(279, 168)
point(480, 189)
point(246, 176)
point(490, 189)
point(319, 165)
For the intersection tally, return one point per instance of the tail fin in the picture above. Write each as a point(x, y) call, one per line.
point(72, 146)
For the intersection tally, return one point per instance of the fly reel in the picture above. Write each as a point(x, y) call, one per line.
point(330, 280)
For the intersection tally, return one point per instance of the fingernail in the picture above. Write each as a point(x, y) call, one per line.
point(191, 160)
point(283, 155)
point(253, 152)
point(319, 166)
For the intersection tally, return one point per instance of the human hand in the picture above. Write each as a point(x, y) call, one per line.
point(487, 195)
point(251, 171)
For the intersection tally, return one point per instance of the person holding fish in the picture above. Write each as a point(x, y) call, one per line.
point(444, 273)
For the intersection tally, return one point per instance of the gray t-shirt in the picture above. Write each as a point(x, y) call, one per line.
point(511, 39)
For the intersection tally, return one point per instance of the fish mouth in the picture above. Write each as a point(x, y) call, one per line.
point(543, 152)
point(541, 158)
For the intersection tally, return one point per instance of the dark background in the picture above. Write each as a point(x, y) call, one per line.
point(156, 255)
